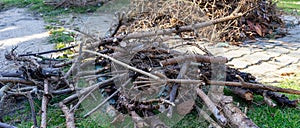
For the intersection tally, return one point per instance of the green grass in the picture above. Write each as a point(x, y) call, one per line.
point(278, 117)
point(290, 6)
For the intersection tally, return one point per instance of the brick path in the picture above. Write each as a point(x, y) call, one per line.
point(268, 60)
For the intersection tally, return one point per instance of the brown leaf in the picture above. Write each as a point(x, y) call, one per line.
point(185, 107)
point(258, 30)
point(251, 25)
point(287, 74)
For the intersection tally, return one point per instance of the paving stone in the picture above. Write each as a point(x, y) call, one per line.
point(237, 53)
point(291, 47)
point(272, 53)
point(284, 60)
point(216, 51)
point(288, 69)
point(219, 51)
point(290, 19)
point(262, 68)
point(238, 63)
point(288, 38)
point(270, 80)
point(295, 54)
point(295, 30)
point(278, 49)
point(256, 57)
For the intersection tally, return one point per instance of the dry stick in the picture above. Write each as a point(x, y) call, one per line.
point(103, 102)
point(237, 118)
point(45, 102)
point(175, 87)
point(197, 58)
point(63, 64)
point(236, 84)
point(75, 66)
point(241, 92)
point(47, 52)
point(207, 117)
point(4, 125)
point(70, 120)
point(5, 88)
point(88, 89)
point(90, 92)
point(268, 100)
point(33, 114)
point(124, 64)
point(212, 107)
point(15, 80)
point(64, 91)
point(85, 73)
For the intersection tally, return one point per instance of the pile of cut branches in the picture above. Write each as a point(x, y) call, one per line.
point(261, 18)
point(139, 77)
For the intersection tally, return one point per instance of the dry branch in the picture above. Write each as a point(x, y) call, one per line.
point(237, 118)
point(123, 64)
point(207, 117)
point(108, 98)
point(33, 114)
point(243, 93)
point(212, 107)
point(87, 90)
point(70, 120)
point(175, 87)
point(4, 125)
point(5, 88)
point(236, 84)
point(45, 101)
point(197, 58)
point(15, 80)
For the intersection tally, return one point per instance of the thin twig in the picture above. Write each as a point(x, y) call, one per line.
point(33, 114)
point(124, 64)
point(50, 51)
point(103, 102)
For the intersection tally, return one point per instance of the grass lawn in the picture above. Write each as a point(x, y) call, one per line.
point(292, 6)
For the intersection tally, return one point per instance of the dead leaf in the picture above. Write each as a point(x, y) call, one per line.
point(258, 29)
point(287, 74)
point(251, 25)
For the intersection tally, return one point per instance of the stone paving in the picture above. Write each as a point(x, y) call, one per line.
point(268, 60)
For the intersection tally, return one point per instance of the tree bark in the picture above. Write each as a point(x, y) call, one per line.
point(70, 121)
point(237, 118)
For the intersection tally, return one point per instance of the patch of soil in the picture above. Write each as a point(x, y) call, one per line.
point(18, 27)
